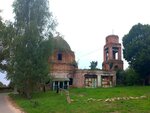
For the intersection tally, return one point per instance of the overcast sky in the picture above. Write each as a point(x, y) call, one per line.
point(86, 23)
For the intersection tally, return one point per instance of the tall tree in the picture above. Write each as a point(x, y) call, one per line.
point(137, 49)
point(7, 33)
point(34, 26)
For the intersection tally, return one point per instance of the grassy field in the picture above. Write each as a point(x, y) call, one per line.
point(99, 100)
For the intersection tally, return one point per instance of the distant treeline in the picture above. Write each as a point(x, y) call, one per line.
point(5, 89)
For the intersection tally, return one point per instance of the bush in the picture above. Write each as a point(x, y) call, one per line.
point(128, 77)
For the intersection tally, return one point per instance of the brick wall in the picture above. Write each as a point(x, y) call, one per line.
point(66, 64)
point(112, 43)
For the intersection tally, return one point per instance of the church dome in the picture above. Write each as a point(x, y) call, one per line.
point(60, 44)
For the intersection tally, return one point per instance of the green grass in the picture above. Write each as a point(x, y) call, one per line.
point(50, 102)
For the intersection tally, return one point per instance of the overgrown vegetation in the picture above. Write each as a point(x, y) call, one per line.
point(7, 33)
point(137, 50)
point(128, 77)
point(93, 65)
point(50, 102)
point(27, 45)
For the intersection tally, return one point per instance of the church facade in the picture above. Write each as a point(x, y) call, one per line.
point(64, 71)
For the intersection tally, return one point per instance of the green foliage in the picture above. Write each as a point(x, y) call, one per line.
point(120, 74)
point(93, 65)
point(131, 77)
point(1, 84)
point(34, 14)
point(11, 85)
point(32, 45)
point(137, 49)
point(128, 77)
point(50, 102)
point(7, 33)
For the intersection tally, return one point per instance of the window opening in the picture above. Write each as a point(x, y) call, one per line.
point(59, 56)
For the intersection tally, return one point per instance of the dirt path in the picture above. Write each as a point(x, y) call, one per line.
point(6, 106)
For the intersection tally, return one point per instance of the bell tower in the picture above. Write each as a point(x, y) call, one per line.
point(112, 54)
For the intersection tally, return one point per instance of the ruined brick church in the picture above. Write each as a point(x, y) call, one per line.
point(64, 71)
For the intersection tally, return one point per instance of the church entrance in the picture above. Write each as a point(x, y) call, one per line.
point(61, 83)
point(90, 80)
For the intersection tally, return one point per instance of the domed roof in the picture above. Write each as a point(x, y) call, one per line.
point(60, 44)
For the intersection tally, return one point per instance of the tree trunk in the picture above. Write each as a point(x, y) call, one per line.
point(28, 90)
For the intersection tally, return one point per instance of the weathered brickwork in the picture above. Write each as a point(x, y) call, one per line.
point(79, 78)
point(65, 73)
point(112, 54)
point(66, 63)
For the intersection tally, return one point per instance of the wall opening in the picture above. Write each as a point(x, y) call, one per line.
point(115, 53)
point(90, 80)
point(70, 81)
point(60, 84)
point(116, 67)
point(107, 81)
point(59, 56)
